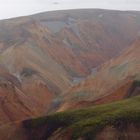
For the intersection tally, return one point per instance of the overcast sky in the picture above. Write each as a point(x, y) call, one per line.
point(15, 8)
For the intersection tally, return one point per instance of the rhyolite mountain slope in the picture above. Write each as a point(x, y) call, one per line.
point(78, 40)
point(49, 52)
point(87, 37)
point(66, 59)
point(115, 80)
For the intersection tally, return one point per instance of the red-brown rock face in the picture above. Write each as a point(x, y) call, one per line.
point(112, 82)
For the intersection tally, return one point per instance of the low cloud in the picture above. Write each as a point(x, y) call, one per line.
point(14, 8)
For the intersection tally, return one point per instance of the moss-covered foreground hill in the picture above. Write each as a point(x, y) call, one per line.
point(119, 120)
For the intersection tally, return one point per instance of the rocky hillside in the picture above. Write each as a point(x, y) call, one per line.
point(112, 82)
point(61, 60)
point(45, 54)
point(78, 40)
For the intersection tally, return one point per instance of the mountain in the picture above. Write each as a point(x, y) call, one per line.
point(87, 37)
point(117, 79)
point(114, 81)
point(78, 40)
point(63, 60)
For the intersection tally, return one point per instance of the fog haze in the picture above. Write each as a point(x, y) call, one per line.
point(15, 8)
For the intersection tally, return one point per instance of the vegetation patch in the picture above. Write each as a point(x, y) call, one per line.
point(137, 82)
point(81, 95)
point(118, 69)
point(28, 72)
point(70, 71)
point(88, 122)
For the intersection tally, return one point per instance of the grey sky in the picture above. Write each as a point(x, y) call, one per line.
point(14, 8)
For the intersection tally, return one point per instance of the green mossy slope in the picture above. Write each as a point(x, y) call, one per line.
point(88, 122)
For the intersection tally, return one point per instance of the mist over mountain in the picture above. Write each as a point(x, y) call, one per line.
point(18, 8)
